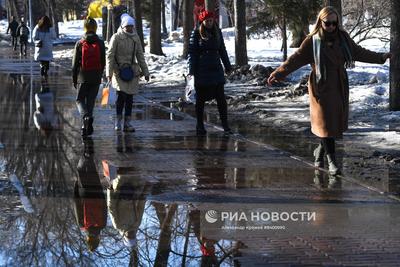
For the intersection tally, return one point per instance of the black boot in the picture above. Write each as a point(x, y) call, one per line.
point(127, 125)
point(83, 128)
point(200, 130)
point(89, 125)
point(332, 165)
point(225, 125)
point(319, 156)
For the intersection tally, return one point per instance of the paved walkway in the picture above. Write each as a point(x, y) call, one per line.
point(212, 199)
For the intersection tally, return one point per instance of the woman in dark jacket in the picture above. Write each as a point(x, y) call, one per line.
point(206, 50)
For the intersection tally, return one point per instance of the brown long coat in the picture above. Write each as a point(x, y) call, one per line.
point(329, 100)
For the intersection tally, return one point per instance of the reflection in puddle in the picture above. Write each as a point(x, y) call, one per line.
point(68, 201)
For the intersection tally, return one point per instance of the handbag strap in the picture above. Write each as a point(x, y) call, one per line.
point(133, 53)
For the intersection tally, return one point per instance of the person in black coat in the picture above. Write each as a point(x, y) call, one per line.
point(12, 28)
point(206, 51)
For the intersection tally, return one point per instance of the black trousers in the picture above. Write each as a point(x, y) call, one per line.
point(44, 67)
point(86, 98)
point(204, 94)
point(124, 100)
point(14, 41)
point(23, 45)
point(328, 143)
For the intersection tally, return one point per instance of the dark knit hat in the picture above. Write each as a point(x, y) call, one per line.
point(90, 25)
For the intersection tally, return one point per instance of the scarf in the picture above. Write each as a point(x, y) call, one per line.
point(320, 69)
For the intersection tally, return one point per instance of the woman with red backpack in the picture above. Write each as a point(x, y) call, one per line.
point(87, 70)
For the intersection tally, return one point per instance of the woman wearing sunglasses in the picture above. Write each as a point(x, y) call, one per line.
point(329, 50)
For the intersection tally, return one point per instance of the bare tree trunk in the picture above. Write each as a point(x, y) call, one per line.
point(110, 23)
point(13, 10)
point(164, 244)
point(284, 38)
point(187, 25)
point(176, 14)
point(394, 98)
point(336, 4)
point(240, 33)
point(164, 22)
point(54, 18)
point(210, 4)
point(104, 17)
point(155, 29)
point(138, 18)
point(180, 15)
point(299, 33)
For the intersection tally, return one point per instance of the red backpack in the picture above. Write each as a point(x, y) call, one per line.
point(91, 56)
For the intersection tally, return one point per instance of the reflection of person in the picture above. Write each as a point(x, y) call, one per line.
point(43, 36)
point(206, 50)
point(23, 34)
point(212, 173)
point(330, 50)
point(45, 117)
point(331, 183)
point(208, 243)
point(89, 198)
point(87, 70)
point(12, 28)
point(126, 200)
point(125, 50)
point(124, 141)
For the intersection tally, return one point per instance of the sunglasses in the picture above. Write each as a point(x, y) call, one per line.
point(329, 23)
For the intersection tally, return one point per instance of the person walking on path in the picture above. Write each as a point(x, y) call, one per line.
point(43, 37)
point(206, 50)
point(12, 29)
point(23, 34)
point(88, 64)
point(330, 50)
point(125, 63)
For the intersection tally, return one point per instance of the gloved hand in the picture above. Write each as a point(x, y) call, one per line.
point(147, 78)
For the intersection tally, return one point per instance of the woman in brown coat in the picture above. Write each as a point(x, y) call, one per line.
point(329, 50)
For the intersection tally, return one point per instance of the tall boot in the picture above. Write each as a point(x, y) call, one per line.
point(89, 125)
point(332, 165)
point(127, 124)
point(225, 125)
point(118, 123)
point(319, 156)
point(223, 114)
point(200, 130)
point(83, 128)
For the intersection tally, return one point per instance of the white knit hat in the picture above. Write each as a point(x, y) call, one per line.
point(127, 20)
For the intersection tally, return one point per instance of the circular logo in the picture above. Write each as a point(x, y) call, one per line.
point(211, 216)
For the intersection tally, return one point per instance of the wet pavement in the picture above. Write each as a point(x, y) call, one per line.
point(163, 196)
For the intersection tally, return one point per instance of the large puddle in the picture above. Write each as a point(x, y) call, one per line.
point(163, 196)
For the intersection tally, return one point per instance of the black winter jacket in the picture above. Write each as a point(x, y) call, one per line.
point(205, 57)
point(12, 28)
